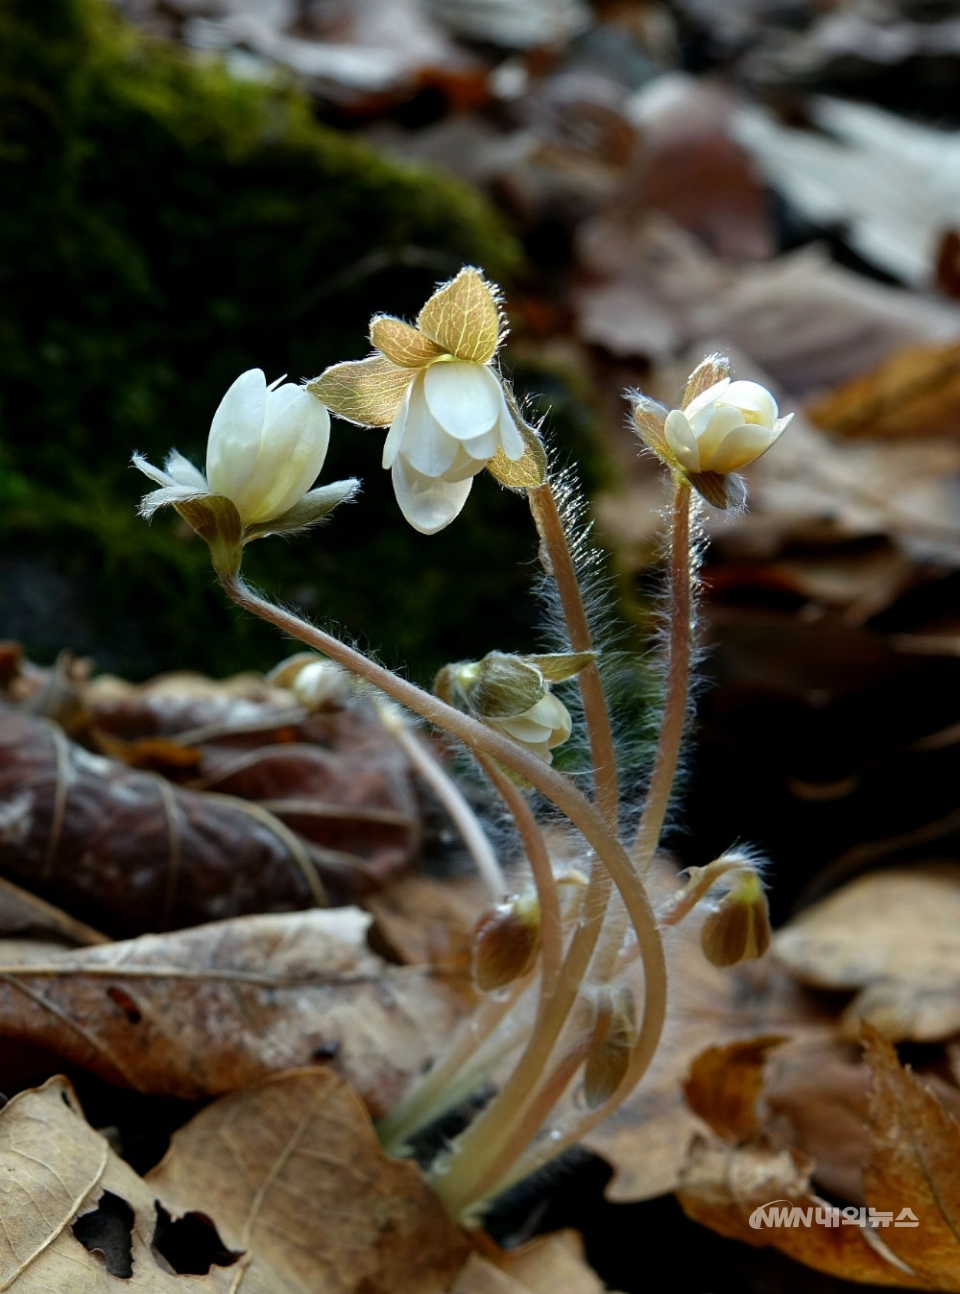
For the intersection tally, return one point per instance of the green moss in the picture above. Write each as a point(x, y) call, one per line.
point(165, 226)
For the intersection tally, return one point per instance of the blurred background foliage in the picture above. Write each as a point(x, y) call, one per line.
point(166, 225)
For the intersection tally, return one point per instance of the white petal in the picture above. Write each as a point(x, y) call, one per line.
point(482, 448)
point(235, 432)
point(154, 473)
point(681, 440)
point(465, 398)
point(428, 504)
point(510, 439)
point(551, 711)
point(738, 448)
point(521, 728)
point(426, 446)
point(463, 466)
point(394, 440)
point(753, 400)
point(706, 399)
point(723, 421)
point(182, 471)
point(292, 449)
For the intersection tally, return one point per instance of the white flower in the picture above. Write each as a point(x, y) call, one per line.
point(724, 428)
point(545, 725)
point(453, 420)
point(266, 448)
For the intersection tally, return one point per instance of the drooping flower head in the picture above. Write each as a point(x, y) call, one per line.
point(434, 387)
point(721, 427)
point(265, 449)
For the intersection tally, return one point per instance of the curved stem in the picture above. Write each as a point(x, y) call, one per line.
point(569, 800)
point(678, 682)
point(551, 929)
point(559, 564)
point(455, 803)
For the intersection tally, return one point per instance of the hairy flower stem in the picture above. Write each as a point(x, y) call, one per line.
point(551, 929)
point(561, 791)
point(676, 701)
point(461, 814)
point(559, 563)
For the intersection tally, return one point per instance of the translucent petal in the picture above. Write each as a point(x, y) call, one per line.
point(235, 432)
point(682, 442)
point(705, 400)
point(391, 446)
point(738, 448)
point(722, 422)
point(482, 448)
point(182, 471)
point(463, 466)
point(428, 504)
point(292, 450)
point(510, 439)
point(426, 446)
point(753, 400)
point(465, 398)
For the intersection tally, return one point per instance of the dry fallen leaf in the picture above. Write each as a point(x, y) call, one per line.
point(913, 393)
point(208, 1009)
point(894, 936)
point(910, 1163)
point(420, 921)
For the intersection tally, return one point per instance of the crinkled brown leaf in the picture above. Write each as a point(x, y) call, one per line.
point(367, 391)
point(914, 391)
point(915, 1163)
point(724, 1084)
point(25, 916)
point(206, 1010)
point(894, 936)
point(463, 318)
point(58, 1174)
point(133, 852)
point(291, 1173)
point(401, 343)
point(420, 921)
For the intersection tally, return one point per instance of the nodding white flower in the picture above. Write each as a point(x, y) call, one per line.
point(725, 427)
point(545, 725)
point(453, 420)
point(721, 427)
point(266, 447)
point(447, 410)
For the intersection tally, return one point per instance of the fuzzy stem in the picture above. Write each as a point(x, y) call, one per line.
point(551, 929)
point(678, 682)
point(455, 803)
point(460, 1067)
point(559, 564)
point(569, 800)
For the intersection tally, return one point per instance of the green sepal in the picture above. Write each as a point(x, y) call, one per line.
point(559, 666)
point(216, 520)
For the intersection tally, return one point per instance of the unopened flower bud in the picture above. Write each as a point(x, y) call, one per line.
point(607, 1063)
point(507, 940)
point(322, 684)
point(739, 928)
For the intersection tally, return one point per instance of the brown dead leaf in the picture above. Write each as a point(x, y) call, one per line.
point(915, 1163)
point(60, 1177)
point(25, 916)
point(134, 853)
point(894, 936)
point(915, 392)
point(724, 1084)
point(205, 1010)
point(291, 1172)
point(547, 1265)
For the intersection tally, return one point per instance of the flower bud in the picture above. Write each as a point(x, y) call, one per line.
point(511, 694)
point(722, 427)
point(739, 927)
point(507, 940)
point(607, 1063)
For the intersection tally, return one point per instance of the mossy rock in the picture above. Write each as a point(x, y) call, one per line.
point(165, 226)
